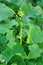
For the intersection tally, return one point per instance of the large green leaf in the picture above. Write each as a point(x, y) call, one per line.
point(35, 51)
point(35, 34)
point(5, 12)
point(17, 2)
point(31, 11)
point(10, 52)
point(26, 9)
point(6, 26)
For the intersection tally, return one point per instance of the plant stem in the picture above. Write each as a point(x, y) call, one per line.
point(21, 33)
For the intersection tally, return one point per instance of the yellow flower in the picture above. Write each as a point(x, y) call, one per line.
point(20, 13)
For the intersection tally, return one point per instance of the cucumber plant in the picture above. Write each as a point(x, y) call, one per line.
point(21, 32)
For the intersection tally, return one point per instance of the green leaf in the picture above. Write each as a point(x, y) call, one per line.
point(35, 51)
point(10, 52)
point(14, 64)
point(9, 35)
point(26, 9)
point(31, 63)
point(6, 26)
point(17, 60)
point(2, 64)
point(35, 34)
point(40, 3)
point(31, 11)
point(40, 20)
point(2, 38)
point(17, 2)
point(5, 12)
point(40, 63)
